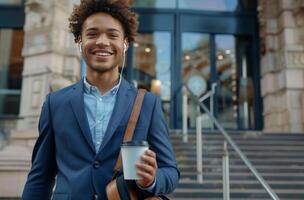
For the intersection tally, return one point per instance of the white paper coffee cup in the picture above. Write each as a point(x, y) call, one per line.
point(131, 152)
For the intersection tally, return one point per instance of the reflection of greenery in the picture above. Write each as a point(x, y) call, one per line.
point(145, 3)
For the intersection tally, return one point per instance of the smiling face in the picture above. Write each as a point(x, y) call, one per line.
point(102, 41)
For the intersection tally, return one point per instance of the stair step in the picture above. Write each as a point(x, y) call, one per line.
point(255, 161)
point(246, 174)
point(219, 153)
point(241, 186)
point(240, 141)
point(254, 147)
point(205, 181)
point(257, 194)
point(277, 157)
point(244, 170)
point(247, 177)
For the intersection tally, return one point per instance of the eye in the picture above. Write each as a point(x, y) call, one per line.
point(113, 35)
point(91, 35)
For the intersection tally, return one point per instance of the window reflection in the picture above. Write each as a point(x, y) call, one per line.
point(11, 66)
point(208, 5)
point(235, 89)
point(227, 87)
point(234, 96)
point(151, 65)
point(245, 85)
point(214, 5)
point(154, 3)
point(196, 70)
point(10, 2)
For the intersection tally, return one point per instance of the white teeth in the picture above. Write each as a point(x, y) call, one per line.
point(103, 54)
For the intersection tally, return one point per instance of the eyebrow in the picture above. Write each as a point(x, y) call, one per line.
point(109, 30)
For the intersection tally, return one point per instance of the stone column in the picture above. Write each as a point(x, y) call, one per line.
point(299, 18)
point(282, 66)
point(51, 60)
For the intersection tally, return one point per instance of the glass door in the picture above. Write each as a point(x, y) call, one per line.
point(235, 93)
point(226, 73)
point(151, 68)
point(196, 71)
point(225, 60)
point(200, 47)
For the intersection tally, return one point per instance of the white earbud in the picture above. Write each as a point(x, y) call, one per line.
point(80, 47)
point(125, 47)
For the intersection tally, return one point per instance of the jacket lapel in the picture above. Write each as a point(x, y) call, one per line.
point(77, 102)
point(122, 104)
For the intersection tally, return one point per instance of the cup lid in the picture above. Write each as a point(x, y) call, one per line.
point(135, 143)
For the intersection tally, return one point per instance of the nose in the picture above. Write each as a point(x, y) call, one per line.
point(102, 40)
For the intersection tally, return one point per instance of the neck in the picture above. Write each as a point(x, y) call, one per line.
point(103, 81)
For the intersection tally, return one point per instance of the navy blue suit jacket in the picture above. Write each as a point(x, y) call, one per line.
point(64, 152)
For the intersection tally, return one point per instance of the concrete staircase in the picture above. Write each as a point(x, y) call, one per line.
point(279, 158)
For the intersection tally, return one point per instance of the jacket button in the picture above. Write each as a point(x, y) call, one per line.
point(95, 197)
point(96, 164)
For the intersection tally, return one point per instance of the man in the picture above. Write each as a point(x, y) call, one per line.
point(82, 126)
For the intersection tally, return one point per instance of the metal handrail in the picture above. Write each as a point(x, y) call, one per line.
point(266, 186)
point(225, 171)
point(210, 94)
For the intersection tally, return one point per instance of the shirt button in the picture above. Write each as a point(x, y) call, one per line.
point(100, 99)
point(95, 197)
point(96, 164)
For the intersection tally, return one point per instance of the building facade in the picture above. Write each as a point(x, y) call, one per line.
point(252, 50)
point(282, 62)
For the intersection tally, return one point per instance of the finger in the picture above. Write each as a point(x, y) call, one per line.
point(145, 168)
point(150, 153)
point(145, 176)
point(149, 160)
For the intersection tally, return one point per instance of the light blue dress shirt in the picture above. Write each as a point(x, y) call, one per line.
point(99, 109)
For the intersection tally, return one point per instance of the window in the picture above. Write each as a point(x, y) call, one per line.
point(154, 3)
point(214, 5)
point(10, 2)
point(217, 5)
point(152, 65)
point(11, 67)
point(196, 70)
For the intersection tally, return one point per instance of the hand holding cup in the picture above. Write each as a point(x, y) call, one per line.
point(146, 169)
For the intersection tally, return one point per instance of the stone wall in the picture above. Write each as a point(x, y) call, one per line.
point(51, 59)
point(282, 64)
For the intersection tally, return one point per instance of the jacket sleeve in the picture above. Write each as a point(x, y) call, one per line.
point(41, 177)
point(167, 175)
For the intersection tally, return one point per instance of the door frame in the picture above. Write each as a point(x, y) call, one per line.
point(177, 21)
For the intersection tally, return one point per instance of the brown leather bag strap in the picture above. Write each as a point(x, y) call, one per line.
point(131, 126)
point(134, 115)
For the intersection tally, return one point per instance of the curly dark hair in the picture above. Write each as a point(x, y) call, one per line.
point(119, 9)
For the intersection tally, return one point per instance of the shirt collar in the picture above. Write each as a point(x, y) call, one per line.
point(88, 88)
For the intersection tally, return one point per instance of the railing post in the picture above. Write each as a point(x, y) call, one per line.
point(212, 103)
point(185, 115)
point(2, 139)
point(199, 149)
point(226, 177)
